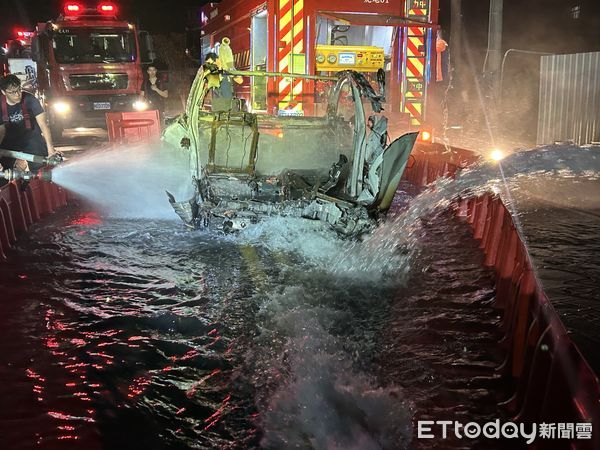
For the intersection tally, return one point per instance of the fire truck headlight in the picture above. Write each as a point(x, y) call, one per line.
point(331, 59)
point(140, 105)
point(320, 58)
point(61, 107)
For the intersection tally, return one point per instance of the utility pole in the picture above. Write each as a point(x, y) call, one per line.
point(494, 49)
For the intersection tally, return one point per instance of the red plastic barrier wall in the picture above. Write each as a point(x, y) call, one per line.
point(133, 127)
point(19, 209)
point(553, 382)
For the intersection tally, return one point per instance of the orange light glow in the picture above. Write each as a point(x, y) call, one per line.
point(497, 155)
point(425, 136)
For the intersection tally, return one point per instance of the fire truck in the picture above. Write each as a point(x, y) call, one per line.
point(323, 37)
point(89, 63)
point(15, 58)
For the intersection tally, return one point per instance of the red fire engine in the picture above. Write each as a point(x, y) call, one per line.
point(15, 57)
point(323, 37)
point(89, 63)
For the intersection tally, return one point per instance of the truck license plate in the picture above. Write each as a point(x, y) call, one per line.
point(101, 105)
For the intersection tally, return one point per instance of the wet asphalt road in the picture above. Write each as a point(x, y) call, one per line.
point(74, 142)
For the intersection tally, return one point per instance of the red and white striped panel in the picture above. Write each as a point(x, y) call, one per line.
point(414, 77)
point(291, 42)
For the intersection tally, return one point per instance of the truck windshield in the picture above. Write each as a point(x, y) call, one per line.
point(72, 46)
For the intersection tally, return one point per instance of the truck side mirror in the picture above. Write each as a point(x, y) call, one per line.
point(35, 49)
point(146, 47)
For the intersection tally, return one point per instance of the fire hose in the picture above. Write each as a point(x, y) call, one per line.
point(15, 174)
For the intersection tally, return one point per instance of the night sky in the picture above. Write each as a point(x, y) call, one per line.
point(540, 24)
point(155, 16)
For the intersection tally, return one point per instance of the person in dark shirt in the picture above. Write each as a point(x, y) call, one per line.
point(23, 126)
point(155, 91)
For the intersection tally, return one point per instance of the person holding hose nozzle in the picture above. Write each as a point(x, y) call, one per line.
point(215, 64)
point(23, 126)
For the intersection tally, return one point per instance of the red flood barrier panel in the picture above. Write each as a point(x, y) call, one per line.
point(133, 127)
point(19, 209)
point(553, 382)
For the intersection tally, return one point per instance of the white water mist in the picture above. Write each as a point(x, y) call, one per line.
point(128, 182)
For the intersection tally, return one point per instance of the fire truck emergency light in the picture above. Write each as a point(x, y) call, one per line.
point(72, 9)
point(107, 8)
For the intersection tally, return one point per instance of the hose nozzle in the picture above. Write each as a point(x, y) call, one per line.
point(55, 159)
point(12, 174)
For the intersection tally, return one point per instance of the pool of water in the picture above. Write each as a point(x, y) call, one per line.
point(555, 197)
point(127, 334)
point(565, 249)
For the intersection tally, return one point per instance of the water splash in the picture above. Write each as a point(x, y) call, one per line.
point(131, 182)
point(386, 253)
point(128, 182)
point(380, 255)
point(555, 174)
point(311, 392)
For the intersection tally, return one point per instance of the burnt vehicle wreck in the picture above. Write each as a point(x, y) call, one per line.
point(245, 166)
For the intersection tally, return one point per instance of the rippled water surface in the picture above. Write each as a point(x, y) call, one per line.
point(565, 246)
point(130, 334)
point(555, 195)
point(139, 334)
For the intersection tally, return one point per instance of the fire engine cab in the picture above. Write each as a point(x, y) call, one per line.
point(89, 63)
point(321, 37)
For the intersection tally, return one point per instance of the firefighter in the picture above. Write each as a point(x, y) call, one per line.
point(23, 124)
point(212, 65)
point(216, 63)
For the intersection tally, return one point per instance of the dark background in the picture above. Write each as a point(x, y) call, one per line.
point(555, 26)
point(156, 16)
point(546, 25)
